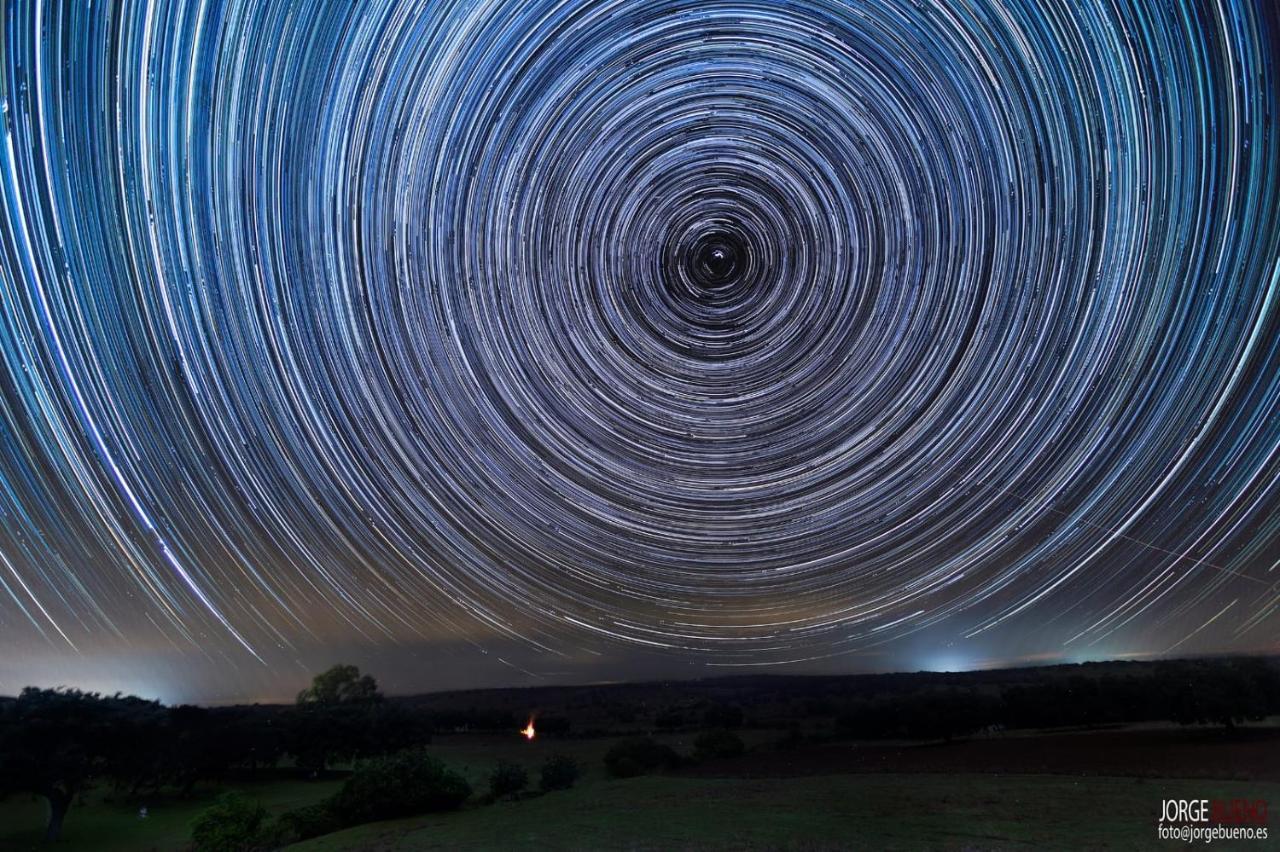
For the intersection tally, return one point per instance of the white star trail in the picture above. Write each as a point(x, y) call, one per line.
point(740, 330)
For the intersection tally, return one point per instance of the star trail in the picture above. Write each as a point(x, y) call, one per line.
point(736, 332)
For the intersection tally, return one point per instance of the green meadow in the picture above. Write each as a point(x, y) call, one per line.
point(868, 810)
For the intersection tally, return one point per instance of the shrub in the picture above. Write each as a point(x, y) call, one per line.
point(718, 744)
point(403, 784)
point(311, 821)
point(638, 756)
point(507, 779)
point(233, 823)
point(559, 772)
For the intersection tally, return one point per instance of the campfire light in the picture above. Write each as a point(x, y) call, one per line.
point(528, 731)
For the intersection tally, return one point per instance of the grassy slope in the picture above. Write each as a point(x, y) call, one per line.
point(104, 826)
point(858, 811)
point(865, 811)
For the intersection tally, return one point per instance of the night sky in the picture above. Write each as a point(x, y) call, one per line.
point(485, 342)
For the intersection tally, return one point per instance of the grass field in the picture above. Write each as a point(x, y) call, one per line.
point(98, 823)
point(698, 810)
point(871, 811)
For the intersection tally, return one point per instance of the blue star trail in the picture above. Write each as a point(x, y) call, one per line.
point(747, 332)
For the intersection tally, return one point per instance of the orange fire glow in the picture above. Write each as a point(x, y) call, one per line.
point(528, 730)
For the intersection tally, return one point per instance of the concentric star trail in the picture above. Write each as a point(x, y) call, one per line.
point(745, 330)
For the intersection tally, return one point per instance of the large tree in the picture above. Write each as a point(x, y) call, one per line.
point(342, 684)
point(335, 719)
point(55, 742)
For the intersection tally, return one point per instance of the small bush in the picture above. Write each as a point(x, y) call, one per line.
point(638, 756)
point(233, 823)
point(403, 784)
point(713, 744)
point(559, 772)
point(507, 779)
point(310, 821)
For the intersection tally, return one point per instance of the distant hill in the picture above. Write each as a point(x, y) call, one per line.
point(767, 700)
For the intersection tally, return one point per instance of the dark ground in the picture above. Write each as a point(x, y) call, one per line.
point(1244, 754)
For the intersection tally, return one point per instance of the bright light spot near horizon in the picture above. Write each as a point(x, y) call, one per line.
point(528, 731)
point(947, 664)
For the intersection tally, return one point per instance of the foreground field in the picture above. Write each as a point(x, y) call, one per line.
point(1081, 790)
point(99, 824)
point(881, 811)
point(1246, 754)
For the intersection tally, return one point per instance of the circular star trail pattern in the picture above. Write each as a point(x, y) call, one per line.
point(757, 330)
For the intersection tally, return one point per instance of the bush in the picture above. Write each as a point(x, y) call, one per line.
point(310, 821)
point(718, 744)
point(507, 779)
point(233, 823)
point(559, 772)
point(638, 756)
point(403, 784)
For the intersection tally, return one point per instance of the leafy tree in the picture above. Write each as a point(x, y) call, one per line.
point(310, 821)
point(638, 756)
point(342, 716)
point(403, 784)
point(55, 743)
point(393, 727)
point(1221, 692)
point(196, 747)
point(559, 772)
point(135, 744)
point(507, 779)
point(254, 737)
point(341, 684)
point(320, 736)
point(234, 823)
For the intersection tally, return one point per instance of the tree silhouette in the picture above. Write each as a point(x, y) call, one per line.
point(342, 716)
point(341, 684)
point(55, 742)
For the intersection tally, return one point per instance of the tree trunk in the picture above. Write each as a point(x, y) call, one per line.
point(59, 802)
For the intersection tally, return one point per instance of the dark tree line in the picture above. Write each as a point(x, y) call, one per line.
point(57, 743)
point(1216, 692)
